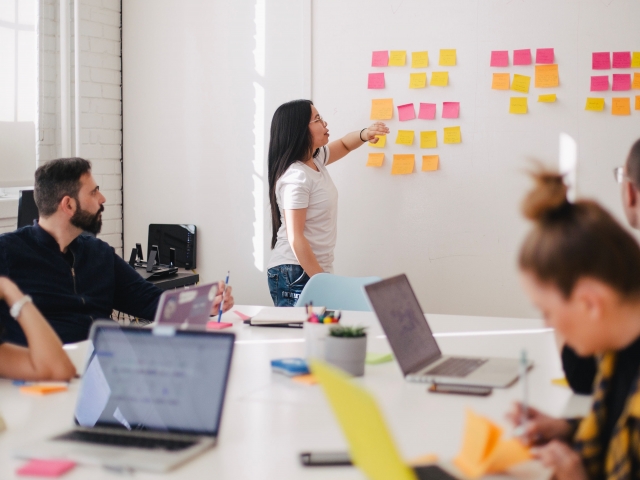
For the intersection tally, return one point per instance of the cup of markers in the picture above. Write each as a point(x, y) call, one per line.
point(316, 330)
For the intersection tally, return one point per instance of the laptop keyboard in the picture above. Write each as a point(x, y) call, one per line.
point(115, 440)
point(456, 367)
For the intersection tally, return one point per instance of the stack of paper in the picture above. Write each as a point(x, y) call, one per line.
point(283, 315)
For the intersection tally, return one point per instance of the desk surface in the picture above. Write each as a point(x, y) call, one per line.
point(268, 419)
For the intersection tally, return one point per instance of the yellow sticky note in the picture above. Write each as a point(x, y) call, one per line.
point(419, 59)
point(518, 105)
point(429, 139)
point(547, 76)
point(521, 83)
point(430, 163)
point(397, 58)
point(636, 81)
point(375, 160)
point(595, 104)
point(439, 79)
point(550, 98)
point(637, 102)
point(405, 137)
point(500, 81)
point(403, 164)
point(447, 58)
point(621, 106)
point(417, 80)
point(382, 140)
point(560, 382)
point(452, 135)
point(381, 109)
point(635, 60)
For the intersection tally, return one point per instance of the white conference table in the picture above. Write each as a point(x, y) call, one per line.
point(268, 419)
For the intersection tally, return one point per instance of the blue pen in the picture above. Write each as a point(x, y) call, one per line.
point(226, 282)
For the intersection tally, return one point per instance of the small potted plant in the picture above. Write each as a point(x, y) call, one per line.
point(346, 348)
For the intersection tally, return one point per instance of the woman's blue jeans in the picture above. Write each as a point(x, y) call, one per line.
point(285, 284)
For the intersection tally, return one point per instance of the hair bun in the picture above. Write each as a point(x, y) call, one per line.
point(549, 195)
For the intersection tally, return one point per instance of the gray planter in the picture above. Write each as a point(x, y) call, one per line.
point(347, 353)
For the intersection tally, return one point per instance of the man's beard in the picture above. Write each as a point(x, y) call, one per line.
point(87, 221)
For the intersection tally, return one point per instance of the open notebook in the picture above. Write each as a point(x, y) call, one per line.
point(283, 315)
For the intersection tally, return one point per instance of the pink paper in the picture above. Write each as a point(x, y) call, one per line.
point(46, 468)
point(427, 111)
point(621, 59)
point(500, 58)
point(242, 315)
point(621, 81)
point(522, 57)
point(599, 83)
point(544, 55)
point(601, 61)
point(380, 59)
point(450, 109)
point(406, 112)
point(376, 80)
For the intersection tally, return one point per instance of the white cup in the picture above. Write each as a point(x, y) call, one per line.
point(314, 337)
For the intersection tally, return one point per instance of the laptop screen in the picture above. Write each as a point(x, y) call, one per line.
point(140, 380)
point(186, 306)
point(403, 322)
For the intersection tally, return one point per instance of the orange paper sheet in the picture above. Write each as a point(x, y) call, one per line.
point(42, 389)
point(636, 81)
point(500, 81)
point(547, 76)
point(621, 106)
point(430, 163)
point(375, 160)
point(638, 102)
point(381, 109)
point(403, 164)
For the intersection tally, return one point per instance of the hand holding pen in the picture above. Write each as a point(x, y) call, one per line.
point(224, 290)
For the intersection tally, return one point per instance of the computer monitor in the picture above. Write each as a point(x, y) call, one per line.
point(181, 237)
point(27, 209)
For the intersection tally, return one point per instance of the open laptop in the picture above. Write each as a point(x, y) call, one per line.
point(187, 308)
point(147, 401)
point(416, 349)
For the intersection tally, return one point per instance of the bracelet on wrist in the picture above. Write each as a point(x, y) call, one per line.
point(16, 308)
point(361, 139)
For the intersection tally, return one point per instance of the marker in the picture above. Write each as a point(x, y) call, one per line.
point(226, 282)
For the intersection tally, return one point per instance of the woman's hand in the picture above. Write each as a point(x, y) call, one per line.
point(377, 128)
point(228, 299)
point(565, 462)
point(539, 428)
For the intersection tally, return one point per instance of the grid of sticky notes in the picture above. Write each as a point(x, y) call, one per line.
point(419, 81)
point(545, 75)
point(624, 80)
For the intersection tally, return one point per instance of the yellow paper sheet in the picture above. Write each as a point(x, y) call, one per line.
point(595, 104)
point(397, 58)
point(500, 81)
point(417, 80)
point(560, 382)
point(430, 163)
point(550, 98)
point(439, 79)
point(635, 60)
point(518, 105)
point(547, 76)
point(405, 137)
point(381, 109)
point(375, 160)
point(638, 102)
point(521, 83)
point(447, 58)
point(429, 139)
point(452, 135)
point(382, 141)
point(403, 164)
point(636, 81)
point(621, 106)
point(419, 59)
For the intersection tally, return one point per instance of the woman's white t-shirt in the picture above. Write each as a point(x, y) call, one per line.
point(302, 187)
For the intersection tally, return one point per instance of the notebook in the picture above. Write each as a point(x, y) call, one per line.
point(283, 315)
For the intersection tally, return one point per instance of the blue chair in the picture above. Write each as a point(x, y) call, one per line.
point(336, 292)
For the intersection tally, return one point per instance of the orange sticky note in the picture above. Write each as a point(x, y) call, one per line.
point(403, 164)
point(381, 109)
point(637, 102)
point(447, 58)
point(397, 58)
point(521, 83)
point(439, 79)
point(419, 59)
point(621, 106)
point(636, 81)
point(426, 459)
point(452, 135)
point(382, 141)
point(405, 137)
point(42, 389)
point(430, 163)
point(308, 379)
point(506, 454)
point(375, 160)
point(595, 104)
point(429, 139)
point(500, 81)
point(518, 105)
point(547, 76)
point(417, 80)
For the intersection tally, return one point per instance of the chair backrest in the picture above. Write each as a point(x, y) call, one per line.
point(336, 292)
point(27, 209)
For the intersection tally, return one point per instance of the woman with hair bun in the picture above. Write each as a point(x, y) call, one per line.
point(582, 270)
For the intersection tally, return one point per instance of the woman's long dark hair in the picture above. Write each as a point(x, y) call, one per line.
point(290, 141)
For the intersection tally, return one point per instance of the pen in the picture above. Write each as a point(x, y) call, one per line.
point(226, 282)
point(525, 394)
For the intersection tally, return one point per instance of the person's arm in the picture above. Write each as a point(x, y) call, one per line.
point(133, 294)
point(44, 358)
point(294, 221)
point(353, 140)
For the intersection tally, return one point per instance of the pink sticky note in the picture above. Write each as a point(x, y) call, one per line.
point(599, 83)
point(213, 325)
point(500, 58)
point(242, 315)
point(427, 111)
point(46, 468)
point(544, 55)
point(621, 81)
point(450, 109)
point(376, 80)
point(522, 57)
point(601, 61)
point(406, 112)
point(621, 59)
point(380, 58)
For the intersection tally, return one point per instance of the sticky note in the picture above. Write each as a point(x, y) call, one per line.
point(380, 58)
point(520, 83)
point(375, 160)
point(637, 102)
point(397, 58)
point(406, 112)
point(376, 80)
point(621, 81)
point(381, 109)
point(405, 137)
point(417, 80)
point(429, 139)
point(621, 106)
point(544, 55)
point(595, 104)
point(500, 81)
point(601, 61)
point(522, 57)
point(419, 59)
point(308, 379)
point(430, 163)
point(403, 164)
point(452, 135)
point(427, 111)
point(599, 83)
point(426, 459)
point(382, 140)
point(450, 109)
point(621, 59)
point(241, 315)
point(500, 58)
point(43, 388)
point(374, 358)
point(447, 58)
point(518, 105)
point(547, 76)
point(45, 468)
point(636, 81)
point(551, 98)
point(635, 60)
point(439, 79)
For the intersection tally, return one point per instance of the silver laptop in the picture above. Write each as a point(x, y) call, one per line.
point(186, 308)
point(417, 351)
point(147, 401)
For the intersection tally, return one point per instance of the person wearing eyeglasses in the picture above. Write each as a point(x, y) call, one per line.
point(304, 199)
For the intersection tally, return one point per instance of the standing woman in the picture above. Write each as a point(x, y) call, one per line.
point(304, 200)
